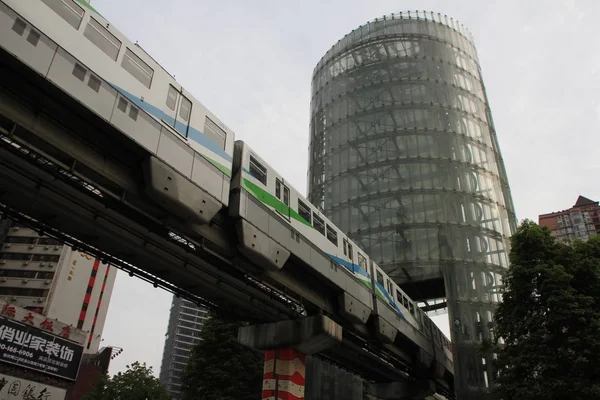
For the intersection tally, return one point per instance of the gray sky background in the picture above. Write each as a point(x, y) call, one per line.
point(251, 62)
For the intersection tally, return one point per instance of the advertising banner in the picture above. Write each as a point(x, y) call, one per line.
point(33, 318)
point(12, 388)
point(33, 348)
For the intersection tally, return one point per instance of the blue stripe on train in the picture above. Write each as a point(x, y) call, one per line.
point(193, 133)
point(350, 267)
point(389, 299)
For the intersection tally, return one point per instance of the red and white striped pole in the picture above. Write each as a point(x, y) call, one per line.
point(284, 375)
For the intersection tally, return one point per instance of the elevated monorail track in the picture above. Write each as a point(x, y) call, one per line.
point(72, 175)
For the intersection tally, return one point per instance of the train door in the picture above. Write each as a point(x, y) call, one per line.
point(179, 110)
point(282, 192)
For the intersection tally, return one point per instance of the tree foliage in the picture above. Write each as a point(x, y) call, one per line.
point(220, 368)
point(136, 383)
point(549, 318)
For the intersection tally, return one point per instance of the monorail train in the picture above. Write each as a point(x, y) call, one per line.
point(73, 46)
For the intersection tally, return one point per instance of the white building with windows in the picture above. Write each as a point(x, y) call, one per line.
point(44, 276)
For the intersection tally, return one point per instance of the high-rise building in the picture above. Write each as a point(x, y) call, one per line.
point(404, 158)
point(183, 332)
point(578, 222)
point(43, 275)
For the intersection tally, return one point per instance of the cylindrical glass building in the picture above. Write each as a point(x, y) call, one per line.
point(404, 158)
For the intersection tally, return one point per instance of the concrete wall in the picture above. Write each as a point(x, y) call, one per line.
point(325, 381)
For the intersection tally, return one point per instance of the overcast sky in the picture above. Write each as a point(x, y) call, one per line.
point(250, 63)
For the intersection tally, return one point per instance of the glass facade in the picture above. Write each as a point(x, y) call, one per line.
point(404, 158)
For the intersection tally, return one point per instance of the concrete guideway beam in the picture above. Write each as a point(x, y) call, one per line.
point(309, 335)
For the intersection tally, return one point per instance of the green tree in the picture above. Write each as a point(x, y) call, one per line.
point(220, 368)
point(549, 319)
point(136, 383)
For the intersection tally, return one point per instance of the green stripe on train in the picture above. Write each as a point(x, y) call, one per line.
point(88, 5)
point(273, 201)
point(220, 167)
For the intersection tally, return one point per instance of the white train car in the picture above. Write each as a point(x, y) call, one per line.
point(77, 49)
point(274, 220)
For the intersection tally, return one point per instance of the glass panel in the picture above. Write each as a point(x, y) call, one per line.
point(304, 211)
point(215, 132)
point(137, 68)
point(258, 171)
point(332, 235)
point(68, 10)
point(185, 109)
point(319, 224)
point(102, 38)
point(172, 98)
point(286, 196)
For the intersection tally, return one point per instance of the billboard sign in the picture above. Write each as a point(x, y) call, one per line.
point(12, 388)
point(36, 349)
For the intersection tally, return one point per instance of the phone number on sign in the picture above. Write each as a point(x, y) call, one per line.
point(13, 349)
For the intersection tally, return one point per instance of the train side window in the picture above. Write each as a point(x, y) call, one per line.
point(350, 255)
point(362, 261)
point(137, 68)
point(319, 224)
point(398, 296)
point(278, 188)
point(102, 38)
point(286, 196)
point(258, 171)
point(172, 97)
point(332, 235)
point(215, 132)
point(405, 302)
point(185, 109)
point(378, 275)
point(67, 10)
point(345, 242)
point(304, 211)
point(411, 308)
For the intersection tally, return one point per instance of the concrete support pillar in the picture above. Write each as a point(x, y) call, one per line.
point(286, 344)
point(284, 375)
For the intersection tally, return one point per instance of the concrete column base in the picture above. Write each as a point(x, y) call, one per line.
point(417, 390)
point(284, 375)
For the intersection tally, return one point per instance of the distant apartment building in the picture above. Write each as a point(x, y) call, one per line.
point(183, 332)
point(42, 275)
point(578, 222)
